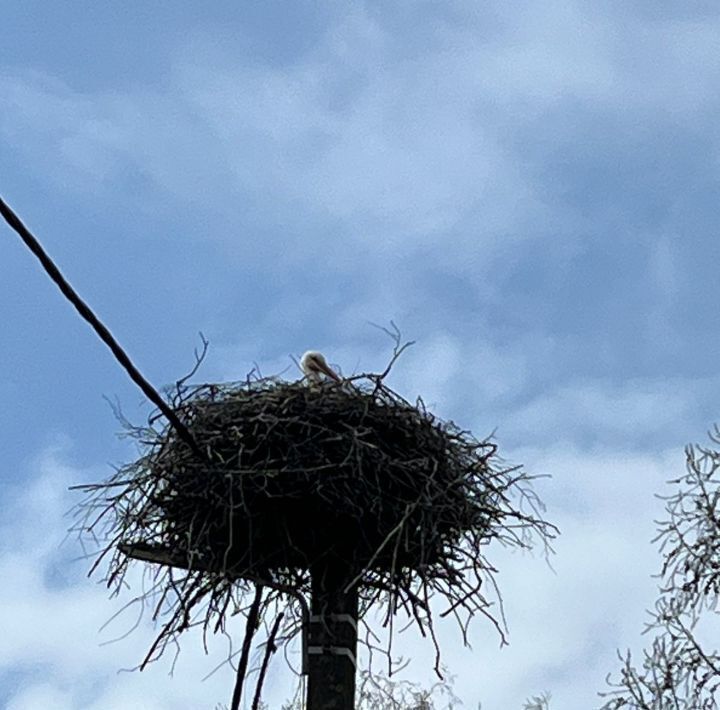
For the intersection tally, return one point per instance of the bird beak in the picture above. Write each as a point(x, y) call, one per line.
point(330, 373)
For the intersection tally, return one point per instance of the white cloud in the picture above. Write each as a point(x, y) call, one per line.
point(51, 639)
point(362, 157)
point(564, 627)
point(629, 413)
point(41, 696)
point(55, 126)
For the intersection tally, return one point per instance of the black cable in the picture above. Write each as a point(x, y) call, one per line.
point(103, 333)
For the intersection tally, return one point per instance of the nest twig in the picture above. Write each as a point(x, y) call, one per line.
point(294, 476)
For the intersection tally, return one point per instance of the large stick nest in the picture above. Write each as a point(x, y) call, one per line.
point(295, 477)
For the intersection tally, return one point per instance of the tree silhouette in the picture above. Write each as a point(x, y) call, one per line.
point(678, 670)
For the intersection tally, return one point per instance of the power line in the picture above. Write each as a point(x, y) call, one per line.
point(103, 333)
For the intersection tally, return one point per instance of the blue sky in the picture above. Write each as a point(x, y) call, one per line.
point(529, 190)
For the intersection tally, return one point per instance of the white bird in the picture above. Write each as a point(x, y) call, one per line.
point(315, 367)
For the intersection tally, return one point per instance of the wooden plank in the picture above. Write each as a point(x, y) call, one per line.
point(165, 556)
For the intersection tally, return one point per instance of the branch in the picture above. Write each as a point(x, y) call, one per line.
point(269, 650)
point(252, 619)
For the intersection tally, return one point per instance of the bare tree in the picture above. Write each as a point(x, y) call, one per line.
point(538, 702)
point(678, 671)
point(376, 691)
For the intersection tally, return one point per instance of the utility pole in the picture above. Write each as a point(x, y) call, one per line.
point(332, 639)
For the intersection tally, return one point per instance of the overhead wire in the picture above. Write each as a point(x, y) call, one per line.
point(100, 329)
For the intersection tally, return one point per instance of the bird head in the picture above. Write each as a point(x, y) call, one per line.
point(314, 365)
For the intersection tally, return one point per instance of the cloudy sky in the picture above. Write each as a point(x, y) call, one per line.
point(529, 190)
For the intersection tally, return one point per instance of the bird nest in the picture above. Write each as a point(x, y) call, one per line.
point(287, 477)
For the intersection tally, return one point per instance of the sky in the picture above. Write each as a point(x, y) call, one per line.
point(529, 190)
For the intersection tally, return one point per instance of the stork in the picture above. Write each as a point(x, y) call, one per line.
point(316, 369)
